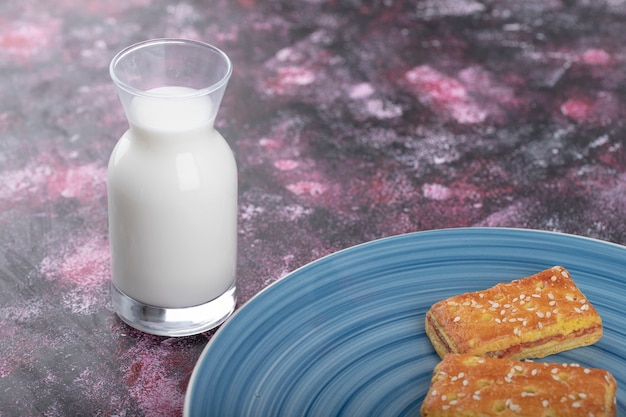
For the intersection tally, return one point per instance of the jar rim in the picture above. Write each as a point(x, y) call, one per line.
point(169, 41)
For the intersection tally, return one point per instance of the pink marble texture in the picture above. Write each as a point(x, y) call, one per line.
point(350, 120)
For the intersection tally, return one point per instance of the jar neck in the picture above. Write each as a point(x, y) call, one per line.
point(179, 136)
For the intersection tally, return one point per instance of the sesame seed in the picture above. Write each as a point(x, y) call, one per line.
point(476, 397)
point(521, 297)
point(540, 314)
point(453, 402)
point(457, 318)
point(586, 370)
point(507, 306)
point(445, 407)
point(540, 324)
point(536, 296)
point(553, 278)
point(545, 403)
point(569, 298)
point(514, 407)
point(444, 397)
point(551, 296)
point(534, 372)
point(584, 307)
point(563, 273)
point(552, 303)
point(465, 382)
point(577, 404)
point(498, 320)
point(576, 309)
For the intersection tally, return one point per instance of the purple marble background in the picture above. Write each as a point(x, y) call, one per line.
point(351, 120)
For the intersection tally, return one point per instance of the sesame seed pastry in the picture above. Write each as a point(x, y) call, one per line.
point(530, 317)
point(472, 386)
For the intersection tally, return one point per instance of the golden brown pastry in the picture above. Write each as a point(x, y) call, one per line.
point(472, 386)
point(531, 317)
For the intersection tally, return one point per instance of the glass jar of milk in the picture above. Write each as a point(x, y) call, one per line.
point(172, 190)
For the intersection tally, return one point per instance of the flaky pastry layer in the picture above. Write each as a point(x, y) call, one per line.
point(530, 317)
point(472, 386)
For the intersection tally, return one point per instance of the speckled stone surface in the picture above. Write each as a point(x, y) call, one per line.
point(350, 120)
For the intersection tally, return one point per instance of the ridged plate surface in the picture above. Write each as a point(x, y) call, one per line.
point(344, 335)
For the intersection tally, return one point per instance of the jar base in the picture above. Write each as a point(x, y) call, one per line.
point(174, 322)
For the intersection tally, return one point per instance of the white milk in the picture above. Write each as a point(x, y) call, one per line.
point(172, 192)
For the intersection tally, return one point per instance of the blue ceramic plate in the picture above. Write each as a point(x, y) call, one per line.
point(344, 335)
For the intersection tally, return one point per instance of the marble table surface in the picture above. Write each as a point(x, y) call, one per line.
point(351, 120)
